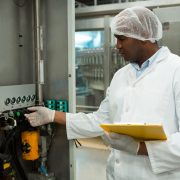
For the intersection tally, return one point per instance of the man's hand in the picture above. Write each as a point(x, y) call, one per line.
point(121, 142)
point(40, 116)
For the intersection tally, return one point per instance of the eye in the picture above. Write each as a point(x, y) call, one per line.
point(121, 38)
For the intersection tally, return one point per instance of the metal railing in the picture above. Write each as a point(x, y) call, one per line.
point(99, 2)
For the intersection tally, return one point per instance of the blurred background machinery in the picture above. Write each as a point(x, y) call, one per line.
point(96, 56)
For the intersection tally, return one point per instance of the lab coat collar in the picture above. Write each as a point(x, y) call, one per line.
point(160, 57)
point(163, 54)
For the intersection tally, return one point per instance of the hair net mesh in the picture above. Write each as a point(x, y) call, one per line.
point(137, 22)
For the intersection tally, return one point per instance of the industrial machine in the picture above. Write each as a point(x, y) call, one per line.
point(31, 71)
point(90, 73)
point(21, 142)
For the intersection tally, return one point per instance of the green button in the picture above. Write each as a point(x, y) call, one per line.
point(18, 114)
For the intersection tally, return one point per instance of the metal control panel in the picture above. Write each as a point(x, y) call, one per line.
point(17, 96)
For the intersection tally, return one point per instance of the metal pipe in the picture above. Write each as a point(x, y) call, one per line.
point(38, 61)
point(95, 2)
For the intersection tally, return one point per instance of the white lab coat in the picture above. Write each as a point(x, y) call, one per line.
point(154, 97)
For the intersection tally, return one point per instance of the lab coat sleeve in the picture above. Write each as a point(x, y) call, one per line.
point(81, 125)
point(165, 155)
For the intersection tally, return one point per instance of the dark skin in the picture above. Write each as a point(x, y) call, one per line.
point(134, 50)
point(137, 51)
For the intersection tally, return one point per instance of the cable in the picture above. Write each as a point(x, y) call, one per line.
point(54, 129)
point(9, 145)
point(6, 141)
point(17, 164)
point(7, 123)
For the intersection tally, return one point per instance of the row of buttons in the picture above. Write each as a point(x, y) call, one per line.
point(19, 99)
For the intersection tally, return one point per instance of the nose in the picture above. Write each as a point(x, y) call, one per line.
point(118, 44)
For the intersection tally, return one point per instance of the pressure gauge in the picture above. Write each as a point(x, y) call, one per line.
point(7, 101)
point(28, 98)
point(33, 97)
point(23, 99)
point(18, 100)
point(13, 100)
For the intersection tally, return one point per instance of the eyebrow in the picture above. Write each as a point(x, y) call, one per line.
point(119, 36)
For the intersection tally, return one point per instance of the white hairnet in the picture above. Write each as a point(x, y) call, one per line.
point(137, 22)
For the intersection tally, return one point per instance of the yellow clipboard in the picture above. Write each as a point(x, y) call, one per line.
point(138, 131)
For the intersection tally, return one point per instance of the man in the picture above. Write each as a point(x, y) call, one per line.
point(147, 90)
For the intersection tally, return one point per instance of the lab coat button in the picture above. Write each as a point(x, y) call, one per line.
point(117, 161)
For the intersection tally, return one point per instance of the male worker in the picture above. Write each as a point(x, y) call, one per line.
point(147, 90)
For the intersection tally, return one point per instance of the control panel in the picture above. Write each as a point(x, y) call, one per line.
point(17, 97)
point(14, 101)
